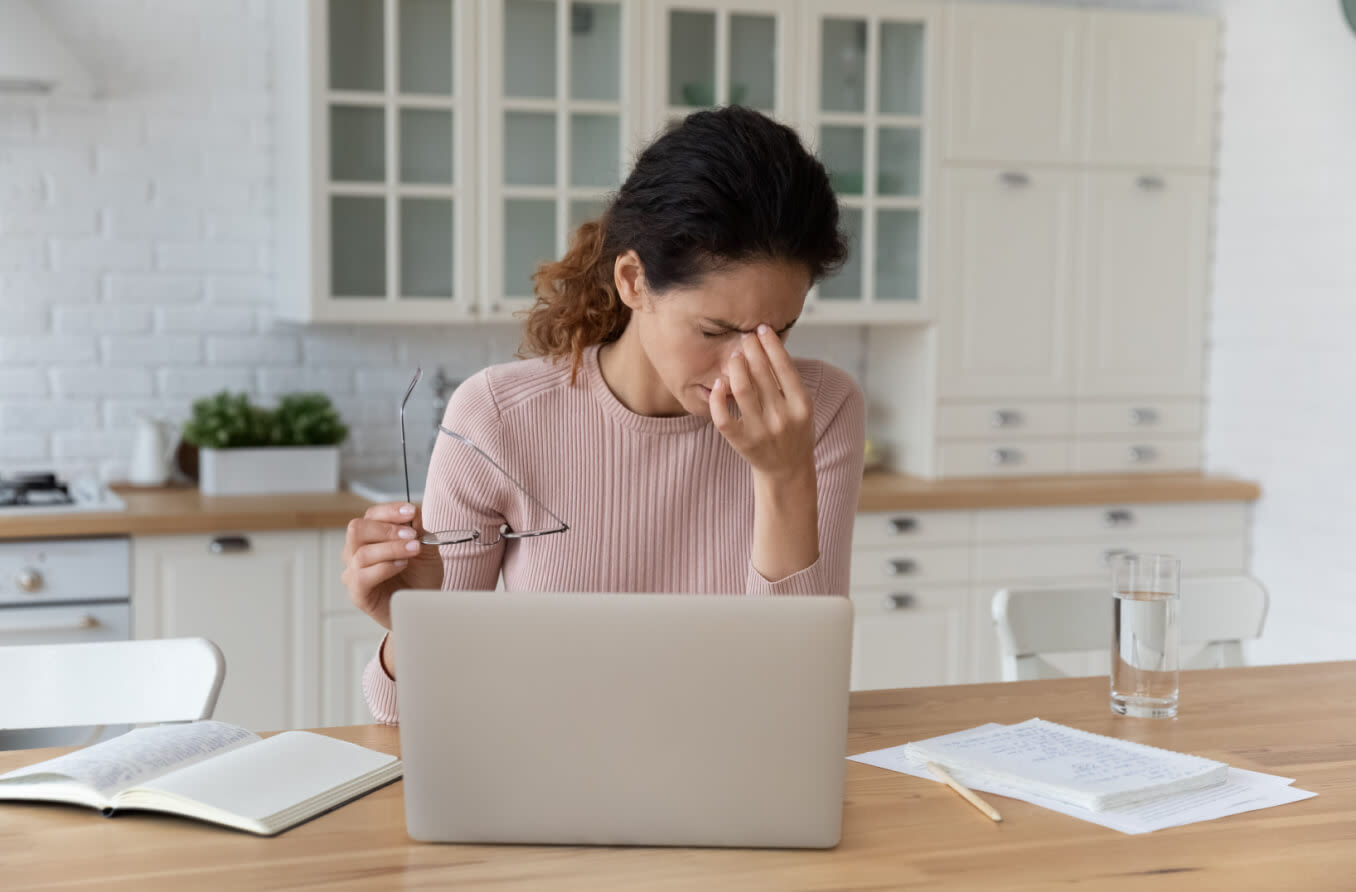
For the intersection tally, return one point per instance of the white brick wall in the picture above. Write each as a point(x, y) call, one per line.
point(1281, 364)
point(136, 259)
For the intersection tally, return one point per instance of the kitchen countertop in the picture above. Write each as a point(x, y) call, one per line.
point(174, 510)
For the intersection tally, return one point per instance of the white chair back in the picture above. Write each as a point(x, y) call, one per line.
point(109, 682)
point(1218, 612)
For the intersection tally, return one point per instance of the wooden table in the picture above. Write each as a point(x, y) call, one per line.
point(899, 832)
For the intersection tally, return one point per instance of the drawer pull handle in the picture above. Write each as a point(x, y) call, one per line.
point(229, 545)
point(1007, 418)
point(1143, 417)
point(1014, 178)
point(901, 567)
point(1112, 553)
point(1119, 518)
point(1150, 183)
point(901, 525)
point(45, 624)
point(1143, 454)
point(901, 601)
point(1006, 456)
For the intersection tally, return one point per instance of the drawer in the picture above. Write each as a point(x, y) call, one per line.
point(1003, 458)
point(1012, 420)
point(1001, 565)
point(1138, 418)
point(1098, 522)
point(885, 567)
point(907, 527)
point(1148, 455)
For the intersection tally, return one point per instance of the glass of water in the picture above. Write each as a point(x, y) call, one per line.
point(1144, 639)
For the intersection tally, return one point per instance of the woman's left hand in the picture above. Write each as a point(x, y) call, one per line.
point(775, 428)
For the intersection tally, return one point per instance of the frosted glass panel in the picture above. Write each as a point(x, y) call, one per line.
point(595, 51)
point(847, 284)
point(426, 154)
point(585, 210)
point(357, 246)
point(842, 83)
point(426, 46)
point(357, 45)
point(426, 247)
point(530, 49)
point(595, 150)
point(529, 241)
point(753, 61)
point(901, 68)
point(897, 255)
point(529, 149)
point(843, 151)
point(900, 154)
point(692, 58)
point(357, 144)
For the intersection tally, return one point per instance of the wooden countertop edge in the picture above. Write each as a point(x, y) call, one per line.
point(171, 510)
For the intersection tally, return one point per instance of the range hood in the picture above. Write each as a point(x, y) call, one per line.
point(33, 61)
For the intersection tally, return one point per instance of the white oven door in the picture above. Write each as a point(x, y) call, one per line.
point(108, 621)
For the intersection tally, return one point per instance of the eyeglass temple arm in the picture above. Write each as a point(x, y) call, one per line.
point(456, 436)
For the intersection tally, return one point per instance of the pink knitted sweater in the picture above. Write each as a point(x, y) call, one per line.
point(653, 504)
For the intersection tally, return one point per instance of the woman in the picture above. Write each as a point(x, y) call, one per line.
point(663, 419)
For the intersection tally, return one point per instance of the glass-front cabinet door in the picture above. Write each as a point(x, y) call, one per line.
point(395, 202)
point(708, 53)
point(560, 119)
point(870, 106)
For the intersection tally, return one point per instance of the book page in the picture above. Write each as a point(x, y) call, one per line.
point(272, 776)
point(139, 755)
point(1064, 758)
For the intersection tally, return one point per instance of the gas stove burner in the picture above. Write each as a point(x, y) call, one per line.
point(33, 489)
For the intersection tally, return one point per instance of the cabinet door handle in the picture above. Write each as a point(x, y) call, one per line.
point(1119, 518)
point(1112, 553)
point(902, 525)
point(1141, 417)
point(1143, 454)
point(1149, 182)
point(1006, 418)
point(46, 624)
point(1015, 178)
point(901, 567)
point(901, 601)
point(229, 545)
point(1006, 456)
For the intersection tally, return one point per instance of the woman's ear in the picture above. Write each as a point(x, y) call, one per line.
point(628, 274)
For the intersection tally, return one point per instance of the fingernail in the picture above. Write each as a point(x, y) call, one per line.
point(405, 533)
point(763, 329)
point(406, 509)
point(412, 547)
point(401, 563)
point(734, 355)
point(716, 386)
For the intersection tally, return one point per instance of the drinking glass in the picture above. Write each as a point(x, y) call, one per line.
point(1146, 595)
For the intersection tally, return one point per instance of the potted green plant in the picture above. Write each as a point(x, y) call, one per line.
point(245, 449)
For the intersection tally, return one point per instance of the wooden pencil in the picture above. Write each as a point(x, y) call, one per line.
point(969, 795)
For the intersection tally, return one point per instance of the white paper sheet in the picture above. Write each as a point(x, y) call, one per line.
point(1243, 791)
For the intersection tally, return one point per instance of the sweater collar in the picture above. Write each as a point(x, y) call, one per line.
point(614, 407)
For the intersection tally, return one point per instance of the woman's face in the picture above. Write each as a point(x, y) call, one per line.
point(689, 334)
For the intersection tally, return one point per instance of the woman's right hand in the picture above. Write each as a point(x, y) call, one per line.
point(382, 554)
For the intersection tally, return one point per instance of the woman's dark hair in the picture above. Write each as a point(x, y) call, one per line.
point(723, 187)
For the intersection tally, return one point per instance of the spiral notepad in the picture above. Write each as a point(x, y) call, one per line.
point(1069, 765)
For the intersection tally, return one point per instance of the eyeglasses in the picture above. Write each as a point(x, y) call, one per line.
point(470, 534)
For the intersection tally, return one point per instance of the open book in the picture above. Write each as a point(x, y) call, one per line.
point(1069, 765)
point(211, 771)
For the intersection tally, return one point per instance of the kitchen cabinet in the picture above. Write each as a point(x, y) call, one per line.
point(871, 112)
point(376, 160)
point(257, 596)
point(348, 639)
point(931, 622)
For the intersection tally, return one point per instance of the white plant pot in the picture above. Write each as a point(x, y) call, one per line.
point(273, 469)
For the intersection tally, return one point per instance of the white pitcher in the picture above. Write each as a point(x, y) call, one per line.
point(152, 451)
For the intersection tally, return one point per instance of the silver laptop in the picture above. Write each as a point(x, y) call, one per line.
point(623, 719)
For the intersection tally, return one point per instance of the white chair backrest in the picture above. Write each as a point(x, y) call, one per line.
point(109, 682)
point(1219, 612)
